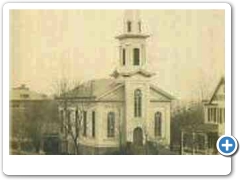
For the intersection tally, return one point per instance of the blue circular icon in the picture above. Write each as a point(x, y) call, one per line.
point(227, 145)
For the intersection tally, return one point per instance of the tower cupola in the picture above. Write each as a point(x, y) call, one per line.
point(132, 44)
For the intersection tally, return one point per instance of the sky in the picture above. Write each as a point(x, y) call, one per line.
point(185, 48)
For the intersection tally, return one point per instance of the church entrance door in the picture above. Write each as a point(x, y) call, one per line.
point(138, 136)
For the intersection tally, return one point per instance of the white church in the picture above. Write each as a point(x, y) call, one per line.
point(125, 110)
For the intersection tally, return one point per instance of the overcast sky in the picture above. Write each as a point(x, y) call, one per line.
point(185, 49)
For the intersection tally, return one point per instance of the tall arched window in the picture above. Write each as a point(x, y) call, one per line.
point(158, 124)
point(111, 124)
point(123, 57)
point(137, 103)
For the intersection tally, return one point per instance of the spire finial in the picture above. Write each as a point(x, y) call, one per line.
point(132, 21)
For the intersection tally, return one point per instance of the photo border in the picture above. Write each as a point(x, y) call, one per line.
point(115, 164)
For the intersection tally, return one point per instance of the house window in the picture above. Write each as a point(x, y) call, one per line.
point(24, 95)
point(213, 115)
point(209, 114)
point(137, 103)
point(139, 26)
point(221, 115)
point(158, 124)
point(136, 56)
point(93, 124)
point(84, 123)
point(124, 57)
point(129, 26)
point(15, 105)
point(62, 120)
point(111, 124)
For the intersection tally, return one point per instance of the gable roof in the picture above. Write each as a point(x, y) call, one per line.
point(221, 82)
point(112, 91)
point(100, 88)
point(162, 92)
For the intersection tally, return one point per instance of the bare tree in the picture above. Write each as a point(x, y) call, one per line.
point(71, 115)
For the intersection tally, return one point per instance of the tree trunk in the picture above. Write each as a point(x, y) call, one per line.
point(76, 148)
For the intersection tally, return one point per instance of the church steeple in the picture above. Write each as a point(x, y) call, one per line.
point(132, 48)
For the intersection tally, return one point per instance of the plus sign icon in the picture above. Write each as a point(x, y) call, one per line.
point(227, 145)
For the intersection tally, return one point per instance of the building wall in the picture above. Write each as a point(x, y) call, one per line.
point(164, 109)
point(125, 122)
point(101, 110)
point(131, 121)
point(101, 139)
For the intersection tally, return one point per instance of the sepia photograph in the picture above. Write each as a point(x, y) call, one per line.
point(116, 81)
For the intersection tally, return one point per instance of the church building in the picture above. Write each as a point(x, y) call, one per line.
point(126, 110)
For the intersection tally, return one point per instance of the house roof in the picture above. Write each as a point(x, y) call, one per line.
point(23, 93)
point(99, 88)
point(164, 93)
point(222, 81)
point(93, 88)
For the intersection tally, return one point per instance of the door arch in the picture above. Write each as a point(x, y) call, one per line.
point(138, 136)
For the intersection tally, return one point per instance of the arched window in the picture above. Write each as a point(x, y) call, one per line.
point(158, 124)
point(111, 124)
point(84, 123)
point(136, 56)
point(137, 103)
point(124, 57)
point(129, 26)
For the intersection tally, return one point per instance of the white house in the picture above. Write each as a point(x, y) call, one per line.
point(214, 109)
point(202, 138)
point(125, 109)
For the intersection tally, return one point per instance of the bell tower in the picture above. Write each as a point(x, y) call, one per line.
point(132, 71)
point(132, 46)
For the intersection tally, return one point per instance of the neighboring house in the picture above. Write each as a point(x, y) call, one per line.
point(202, 138)
point(31, 120)
point(125, 110)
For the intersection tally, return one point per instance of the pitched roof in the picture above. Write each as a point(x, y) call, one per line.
point(162, 92)
point(93, 88)
point(100, 87)
point(222, 81)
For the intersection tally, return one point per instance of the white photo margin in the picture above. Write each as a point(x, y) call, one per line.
point(110, 164)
